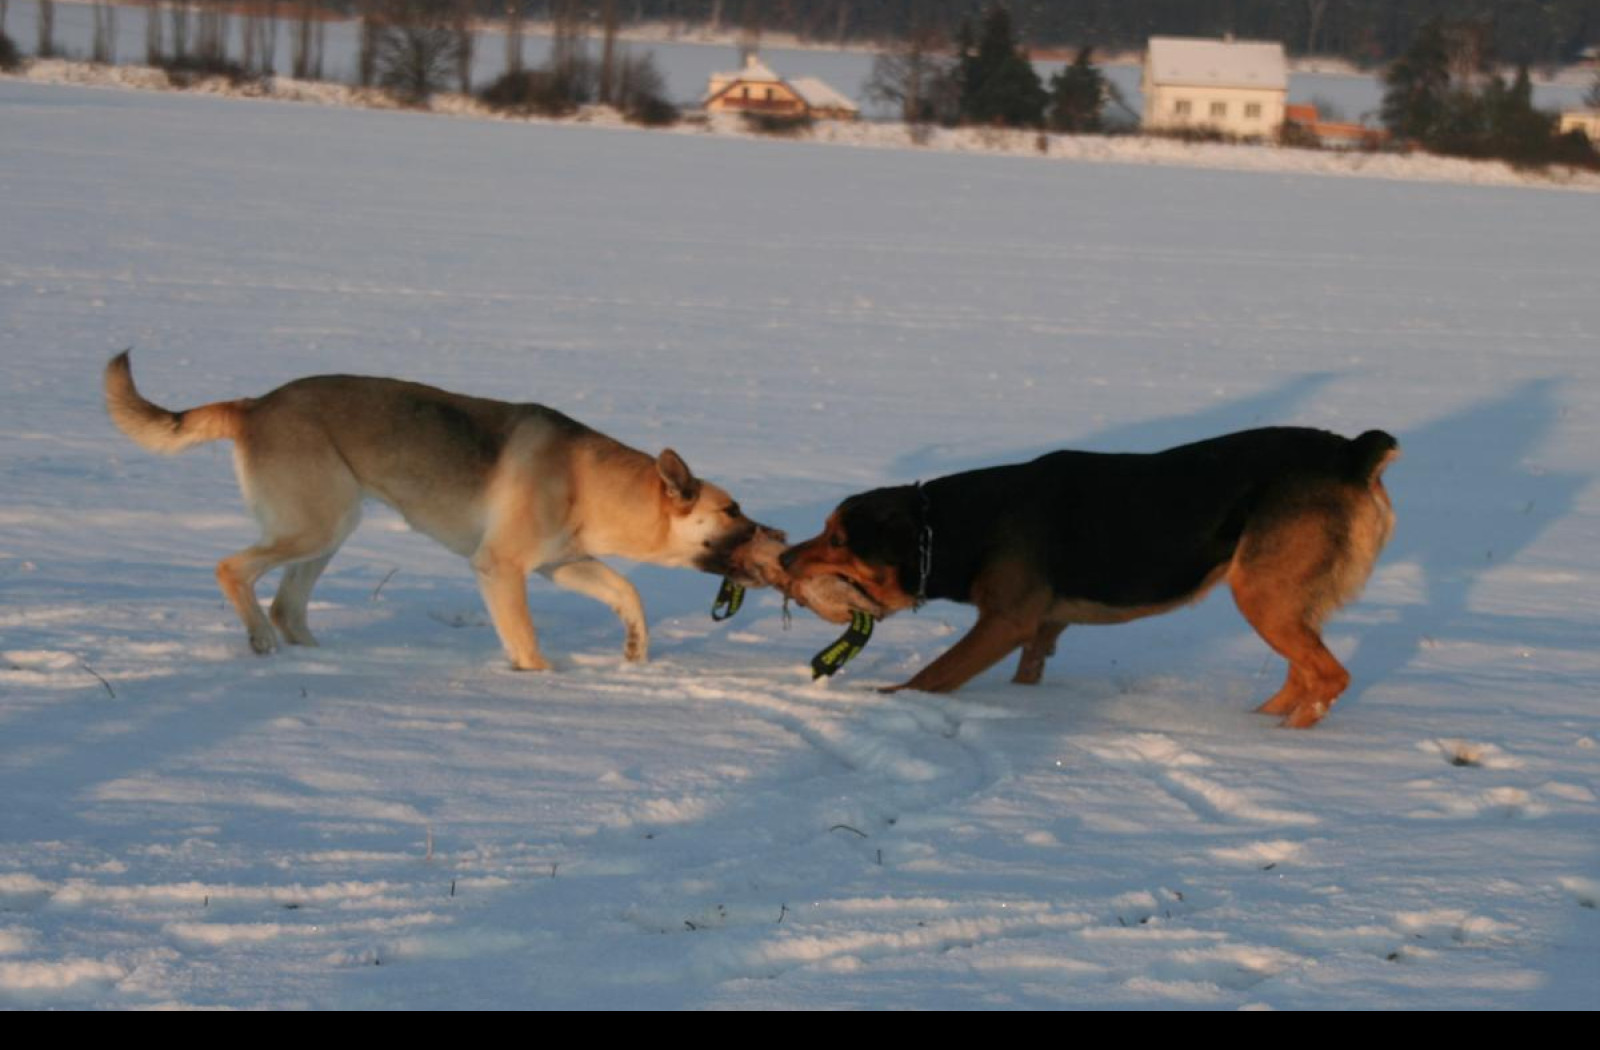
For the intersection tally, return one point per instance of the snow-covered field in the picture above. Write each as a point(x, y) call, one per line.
point(396, 820)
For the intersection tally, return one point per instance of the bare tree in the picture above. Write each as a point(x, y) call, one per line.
point(305, 47)
point(260, 36)
point(514, 19)
point(47, 28)
point(417, 48)
point(462, 26)
point(179, 10)
point(152, 33)
point(372, 22)
point(608, 52)
point(105, 32)
point(1316, 10)
point(914, 75)
point(641, 93)
point(569, 60)
point(211, 33)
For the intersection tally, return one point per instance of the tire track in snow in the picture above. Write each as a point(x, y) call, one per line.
point(1173, 770)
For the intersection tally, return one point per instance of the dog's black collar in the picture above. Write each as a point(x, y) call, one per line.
point(924, 549)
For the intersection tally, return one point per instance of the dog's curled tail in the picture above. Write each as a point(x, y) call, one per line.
point(1369, 454)
point(158, 429)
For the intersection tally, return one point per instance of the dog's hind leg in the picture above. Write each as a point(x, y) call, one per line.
point(604, 584)
point(306, 508)
point(238, 574)
point(1285, 578)
point(288, 610)
point(1036, 651)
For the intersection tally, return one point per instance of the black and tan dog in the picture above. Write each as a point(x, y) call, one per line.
point(1292, 518)
point(513, 488)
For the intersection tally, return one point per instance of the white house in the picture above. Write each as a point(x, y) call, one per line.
point(1235, 87)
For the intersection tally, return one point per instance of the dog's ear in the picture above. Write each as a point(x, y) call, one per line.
point(682, 485)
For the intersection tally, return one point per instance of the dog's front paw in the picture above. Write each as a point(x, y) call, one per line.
point(263, 640)
point(636, 650)
point(1306, 715)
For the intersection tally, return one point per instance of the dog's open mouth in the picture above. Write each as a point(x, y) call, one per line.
point(869, 603)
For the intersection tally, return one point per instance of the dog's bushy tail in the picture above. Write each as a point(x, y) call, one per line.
point(1369, 454)
point(158, 429)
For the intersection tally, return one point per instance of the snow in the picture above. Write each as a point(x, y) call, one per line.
point(397, 820)
point(1218, 63)
point(1120, 149)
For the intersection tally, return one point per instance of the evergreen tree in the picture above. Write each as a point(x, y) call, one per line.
point(1416, 97)
point(1516, 130)
point(998, 82)
point(1077, 95)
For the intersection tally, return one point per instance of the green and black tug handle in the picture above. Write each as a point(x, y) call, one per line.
point(730, 597)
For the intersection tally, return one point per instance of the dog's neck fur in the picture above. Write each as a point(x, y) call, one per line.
point(623, 478)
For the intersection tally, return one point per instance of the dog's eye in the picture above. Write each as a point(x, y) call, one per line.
point(732, 510)
point(835, 540)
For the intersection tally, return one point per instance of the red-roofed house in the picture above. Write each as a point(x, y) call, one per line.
point(757, 89)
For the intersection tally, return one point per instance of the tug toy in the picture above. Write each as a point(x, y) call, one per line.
point(730, 598)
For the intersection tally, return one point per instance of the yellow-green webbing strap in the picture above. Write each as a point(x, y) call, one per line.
point(730, 596)
point(841, 652)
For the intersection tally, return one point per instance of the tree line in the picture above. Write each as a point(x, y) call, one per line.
point(1444, 95)
point(1371, 32)
point(412, 49)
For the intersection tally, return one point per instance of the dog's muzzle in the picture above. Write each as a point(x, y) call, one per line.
point(750, 556)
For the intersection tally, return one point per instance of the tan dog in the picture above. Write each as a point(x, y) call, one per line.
point(513, 488)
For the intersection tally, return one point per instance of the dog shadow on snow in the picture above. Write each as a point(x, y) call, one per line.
point(1469, 498)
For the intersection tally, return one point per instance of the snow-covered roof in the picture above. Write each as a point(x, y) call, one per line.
point(815, 93)
point(819, 95)
point(1217, 63)
point(754, 71)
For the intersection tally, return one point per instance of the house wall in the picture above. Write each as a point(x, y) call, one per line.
point(760, 97)
point(1586, 122)
point(1162, 109)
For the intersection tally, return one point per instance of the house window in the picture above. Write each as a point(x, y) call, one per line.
point(1252, 110)
point(1219, 110)
point(1183, 107)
